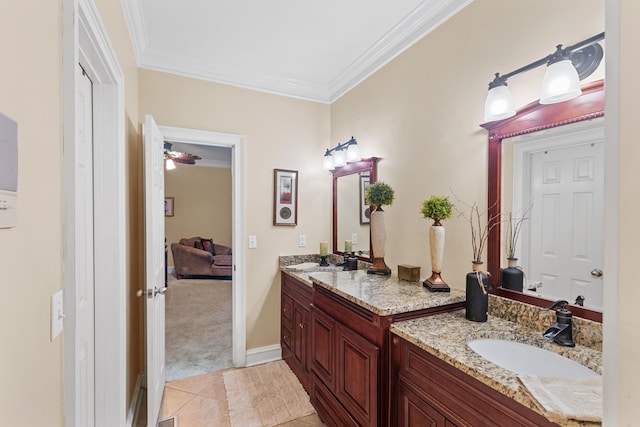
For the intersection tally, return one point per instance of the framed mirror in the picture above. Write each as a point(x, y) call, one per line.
point(350, 212)
point(534, 120)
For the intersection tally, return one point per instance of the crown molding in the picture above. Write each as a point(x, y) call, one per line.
point(189, 66)
point(134, 18)
point(425, 18)
point(422, 20)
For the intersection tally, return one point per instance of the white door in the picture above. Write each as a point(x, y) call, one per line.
point(153, 146)
point(567, 189)
point(85, 309)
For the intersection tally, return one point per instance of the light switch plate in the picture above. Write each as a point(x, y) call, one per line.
point(253, 242)
point(354, 238)
point(57, 314)
point(302, 240)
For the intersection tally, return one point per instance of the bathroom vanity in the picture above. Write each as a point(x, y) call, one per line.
point(342, 353)
point(375, 350)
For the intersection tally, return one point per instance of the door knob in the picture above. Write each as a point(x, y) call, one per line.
point(596, 272)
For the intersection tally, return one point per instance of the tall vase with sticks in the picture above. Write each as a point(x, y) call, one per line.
point(378, 194)
point(437, 208)
point(477, 283)
point(512, 277)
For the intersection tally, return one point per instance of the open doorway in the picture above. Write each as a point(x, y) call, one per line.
point(197, 139)
point(198, 232)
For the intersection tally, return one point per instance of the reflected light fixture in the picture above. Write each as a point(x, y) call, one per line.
point(169, 164)
point(341, 154)
point(561, 82)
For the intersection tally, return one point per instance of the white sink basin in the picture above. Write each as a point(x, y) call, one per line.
point(527, 359)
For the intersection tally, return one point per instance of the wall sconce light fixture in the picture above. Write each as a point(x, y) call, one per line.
point(344, 153)
point(561, 82)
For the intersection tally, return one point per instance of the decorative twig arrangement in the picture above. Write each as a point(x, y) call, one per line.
point(479, 229)
point(512, 233)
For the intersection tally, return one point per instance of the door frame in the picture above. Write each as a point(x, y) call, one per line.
point(236, 143)
point(85, 42)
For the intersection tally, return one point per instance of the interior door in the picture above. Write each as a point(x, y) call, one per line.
point(567, 186)
point(155, 289)
point(85, 303)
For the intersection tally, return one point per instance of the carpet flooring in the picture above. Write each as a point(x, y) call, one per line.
point(198, 336)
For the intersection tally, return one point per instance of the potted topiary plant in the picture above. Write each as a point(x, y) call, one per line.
point(437, 208)
point(377, 195)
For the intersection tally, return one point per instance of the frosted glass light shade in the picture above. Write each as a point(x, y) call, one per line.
point(561, 83)
point(499, 104)
point(353, 153)
point(339, 158)
point(327, 162)
point(169, 164)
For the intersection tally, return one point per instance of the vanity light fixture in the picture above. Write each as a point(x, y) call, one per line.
point(341, 154)
point(169, 164)
point(561, 82)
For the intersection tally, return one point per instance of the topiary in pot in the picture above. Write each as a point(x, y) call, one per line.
point(437, 208)
point(378, 194)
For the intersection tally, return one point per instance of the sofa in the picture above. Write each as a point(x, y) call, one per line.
point(196, 257)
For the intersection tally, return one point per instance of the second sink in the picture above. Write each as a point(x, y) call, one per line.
point(527, 359)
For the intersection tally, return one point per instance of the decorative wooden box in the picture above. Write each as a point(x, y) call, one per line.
point(409, 272)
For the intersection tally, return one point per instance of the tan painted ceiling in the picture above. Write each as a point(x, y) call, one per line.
point(315, 50)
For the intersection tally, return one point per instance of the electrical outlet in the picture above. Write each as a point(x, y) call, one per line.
point(302, 240)
point(253, 242)
point(354, 238)
point(57, 314)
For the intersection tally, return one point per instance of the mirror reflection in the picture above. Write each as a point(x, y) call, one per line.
point(350, 213)
point(554, 179)
point(353, 213)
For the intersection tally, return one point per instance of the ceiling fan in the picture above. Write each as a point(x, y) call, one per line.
point(172, 157)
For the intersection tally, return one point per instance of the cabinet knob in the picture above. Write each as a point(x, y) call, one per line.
point(395, 340)
point(301, 325)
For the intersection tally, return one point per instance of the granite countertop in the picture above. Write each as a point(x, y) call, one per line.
point(446, 336)
point(383, 295)
point(303, 276)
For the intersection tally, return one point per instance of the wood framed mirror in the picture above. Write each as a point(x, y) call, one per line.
point(350, 213)
point(532, 118)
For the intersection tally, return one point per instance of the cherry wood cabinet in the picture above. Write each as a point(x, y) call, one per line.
point(295, 320)
point(426, 391)
point(350, 360)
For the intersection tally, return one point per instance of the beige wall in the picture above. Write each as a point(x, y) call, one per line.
point(202, 204)
point(421, 113)
point(31, 253)
point(279, 132)
point(620, 317)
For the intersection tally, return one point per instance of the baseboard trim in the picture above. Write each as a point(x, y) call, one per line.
point(257, 356)
point(136, 401)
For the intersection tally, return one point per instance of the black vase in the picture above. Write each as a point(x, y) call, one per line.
point(512, 277)
point(477, 299)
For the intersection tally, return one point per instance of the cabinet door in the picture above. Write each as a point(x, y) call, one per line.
point(357, 376)
point(300, 328)
point(415, 412)
point(323, 347)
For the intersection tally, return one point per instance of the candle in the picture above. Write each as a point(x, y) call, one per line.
point(348, 246)
point(324, 245)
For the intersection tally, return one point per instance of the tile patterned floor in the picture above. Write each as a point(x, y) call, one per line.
point(201, 401)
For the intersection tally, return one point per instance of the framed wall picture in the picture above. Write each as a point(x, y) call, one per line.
point(285, 203)
point(168, 206)
point(365, 209)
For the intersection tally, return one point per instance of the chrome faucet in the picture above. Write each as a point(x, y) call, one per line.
point(561, 332)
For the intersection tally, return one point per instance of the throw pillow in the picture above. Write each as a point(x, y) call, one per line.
point(207, 245)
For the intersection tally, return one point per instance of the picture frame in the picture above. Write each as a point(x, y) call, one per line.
point(365, 209)
point(168, 206)
point(285, 198)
